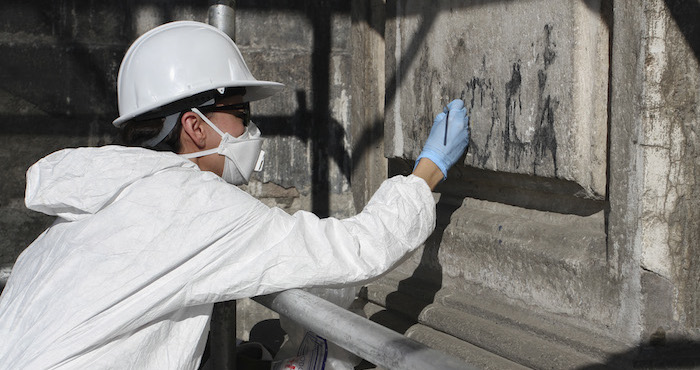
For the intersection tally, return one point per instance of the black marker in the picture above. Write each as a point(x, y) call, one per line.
point(447, 121)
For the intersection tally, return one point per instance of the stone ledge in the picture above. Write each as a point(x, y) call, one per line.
point(552, 261)
point(472, 355)
point(491, 324)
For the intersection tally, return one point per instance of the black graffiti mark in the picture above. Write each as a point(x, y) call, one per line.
point(473, 85)
point(543, 147)
point(545, 139)
point(484, 86)
point(549, 54)
point(512, 146)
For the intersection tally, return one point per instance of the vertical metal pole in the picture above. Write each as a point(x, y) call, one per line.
point(222, 16)
point(222, 336)
point(222, 332)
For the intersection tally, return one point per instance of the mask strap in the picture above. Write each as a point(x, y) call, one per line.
point(205, 152)
point(200, 154)
point(209, 122)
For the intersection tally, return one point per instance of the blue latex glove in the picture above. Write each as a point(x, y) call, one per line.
point(445, 148)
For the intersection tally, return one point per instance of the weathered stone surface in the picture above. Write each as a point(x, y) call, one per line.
point(669, 148)
point(369, 166)
point(25, 140)
point(536, 90)
point(292, 25)
point(553, 261)
point(485, 319)
point(248, 314)
point(471, 354)
point(309, 122)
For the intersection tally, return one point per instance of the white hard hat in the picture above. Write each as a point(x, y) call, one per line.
point(177, 61)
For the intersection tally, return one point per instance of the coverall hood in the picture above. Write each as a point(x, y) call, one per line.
point(74, 183)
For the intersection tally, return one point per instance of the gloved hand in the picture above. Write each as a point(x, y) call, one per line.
point(444, 149)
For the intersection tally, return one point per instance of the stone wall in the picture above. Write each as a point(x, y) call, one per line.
point(668, 149)
point(538, 110)
point(56, 87)
point(571, 221)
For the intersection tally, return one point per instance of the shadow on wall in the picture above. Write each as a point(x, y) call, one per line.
point(325, 134)
point(655, 354)
point(416, 292)
point(686, 15)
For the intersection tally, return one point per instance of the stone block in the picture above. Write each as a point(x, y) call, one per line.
point(477, 317)
point(18, 228)
point(472, 355)
point(669, 225)
point(290, 122)
point(533, 76)
point(552, 261)
point(283, 30)
point(292, 25)
point(71, 80)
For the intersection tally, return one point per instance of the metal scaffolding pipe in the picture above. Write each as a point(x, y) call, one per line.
point(222, 15)
point(367, 339)
point(222, 333)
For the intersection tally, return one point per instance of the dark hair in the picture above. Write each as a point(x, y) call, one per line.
point(135, 132)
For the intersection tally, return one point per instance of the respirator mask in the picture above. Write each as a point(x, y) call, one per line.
point(242, 154)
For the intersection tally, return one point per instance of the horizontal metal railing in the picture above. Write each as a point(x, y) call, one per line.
point(369, 340)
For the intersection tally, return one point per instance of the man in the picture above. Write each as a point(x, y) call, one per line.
point(147, 241)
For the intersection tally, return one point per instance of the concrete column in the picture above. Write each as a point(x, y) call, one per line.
point(369, 163)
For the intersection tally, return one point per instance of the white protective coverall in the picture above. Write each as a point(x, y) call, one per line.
point(145, 243)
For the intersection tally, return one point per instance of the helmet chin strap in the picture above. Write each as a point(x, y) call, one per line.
point(168, 126)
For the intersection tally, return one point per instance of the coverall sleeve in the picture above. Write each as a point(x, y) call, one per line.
point(270, 250)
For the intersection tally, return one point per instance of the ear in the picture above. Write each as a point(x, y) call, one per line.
point(193, 128)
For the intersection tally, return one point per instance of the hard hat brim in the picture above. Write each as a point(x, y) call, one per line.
point(255, 90)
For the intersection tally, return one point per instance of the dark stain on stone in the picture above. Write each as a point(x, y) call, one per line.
point(541, 80)
point(543, 147)
point(545, 140)
point(473, 85)
point(422, 86)
point(478, 88)
point(512, 146)
point(549, 54)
